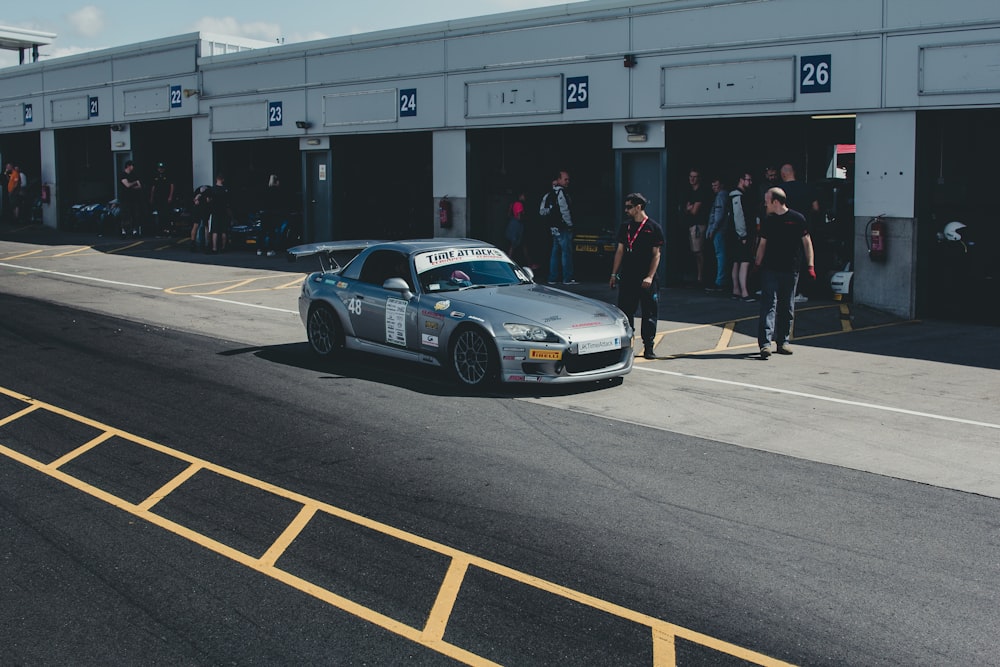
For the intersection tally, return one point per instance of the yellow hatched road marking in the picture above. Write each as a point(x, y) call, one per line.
point(23, 255)
point(437, 621)
point(663, 634)
point(125, 247)
point(73, 252)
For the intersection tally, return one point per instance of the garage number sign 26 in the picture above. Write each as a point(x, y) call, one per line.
point(814, 74)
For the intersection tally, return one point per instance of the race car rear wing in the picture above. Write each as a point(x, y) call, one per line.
point(328, 252)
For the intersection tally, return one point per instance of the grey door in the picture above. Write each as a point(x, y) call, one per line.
point(644, 171)
point(318, 221)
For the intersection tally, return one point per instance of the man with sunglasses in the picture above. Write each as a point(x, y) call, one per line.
point(634, 270)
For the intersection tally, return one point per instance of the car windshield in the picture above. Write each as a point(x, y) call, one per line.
point(466, 268)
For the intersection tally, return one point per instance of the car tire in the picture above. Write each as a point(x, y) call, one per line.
point(326, 336)
point(473, 358)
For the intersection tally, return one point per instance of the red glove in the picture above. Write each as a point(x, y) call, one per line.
point(812, 272)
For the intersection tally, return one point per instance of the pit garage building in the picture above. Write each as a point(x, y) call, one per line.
point(888, 108)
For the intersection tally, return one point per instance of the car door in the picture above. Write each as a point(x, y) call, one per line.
point(379, 315)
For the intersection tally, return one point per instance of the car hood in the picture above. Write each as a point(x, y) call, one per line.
point(537, 304)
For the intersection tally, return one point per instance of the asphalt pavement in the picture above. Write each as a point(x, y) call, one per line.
point(864, 390)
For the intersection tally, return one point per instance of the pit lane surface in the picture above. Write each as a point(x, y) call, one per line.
point(569, 498)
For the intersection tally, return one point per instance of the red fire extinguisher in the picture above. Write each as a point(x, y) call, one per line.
point(444, 212)
point(875, 235)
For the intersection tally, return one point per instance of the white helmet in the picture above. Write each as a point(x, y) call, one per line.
point(951, 230)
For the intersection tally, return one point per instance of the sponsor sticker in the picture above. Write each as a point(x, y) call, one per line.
point(601, 345)
point(551, 355)
point(429, 260)
point(428, 340)
point(442, 305)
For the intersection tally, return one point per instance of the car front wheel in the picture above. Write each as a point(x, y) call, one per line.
point(323, 330)
point(473, 358)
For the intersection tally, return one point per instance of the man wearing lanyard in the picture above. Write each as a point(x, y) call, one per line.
point(634, 269)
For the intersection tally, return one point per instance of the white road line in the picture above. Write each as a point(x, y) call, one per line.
point(817, 397)
point(35, 269)
point(240, 303)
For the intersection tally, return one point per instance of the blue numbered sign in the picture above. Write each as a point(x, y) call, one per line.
point(577, 92)
point(28, 115)
point(175, 97)
point(274, 116)
point(408, 102)
point(814, 74)
point(94, 106)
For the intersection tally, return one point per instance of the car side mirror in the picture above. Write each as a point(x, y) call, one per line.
point(528, 272)
point(398, 285)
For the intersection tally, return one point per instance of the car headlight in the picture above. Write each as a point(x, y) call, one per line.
point(530, 332)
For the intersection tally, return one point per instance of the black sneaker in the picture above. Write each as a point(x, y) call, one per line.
point(784, 349)
point(648, 352)
point(765, 352)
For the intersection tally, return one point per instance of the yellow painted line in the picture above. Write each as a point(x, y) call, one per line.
point(169, 487)
point(437, 621)
point(24, 254)
point(19, 413)
point(433, 631)
point(845, 317)
point(664, 649)
point(231, 286)
point(725, 336)
point(124, 248)
point(295, 283)
point(288, 536)
point(66, 458)
point(74, 251)
point(707, 325)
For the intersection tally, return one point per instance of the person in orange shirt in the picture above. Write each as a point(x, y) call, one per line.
point(14, 191)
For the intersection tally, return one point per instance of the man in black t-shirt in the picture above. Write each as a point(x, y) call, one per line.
point(129, 201)
point(634, 270)
point(784, 243)
point(694, 211)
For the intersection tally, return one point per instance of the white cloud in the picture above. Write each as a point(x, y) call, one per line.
point(87, 21)
point(227, 25)
point(296, 37)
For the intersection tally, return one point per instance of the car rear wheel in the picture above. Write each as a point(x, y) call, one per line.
point(323, 330)
point(473, 357)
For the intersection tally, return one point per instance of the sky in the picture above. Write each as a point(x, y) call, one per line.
point(81, 27)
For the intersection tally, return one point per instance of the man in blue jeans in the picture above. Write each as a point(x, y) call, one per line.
point(784, 243)
point(555, 209)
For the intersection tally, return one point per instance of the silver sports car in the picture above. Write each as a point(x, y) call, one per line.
point(461, 304)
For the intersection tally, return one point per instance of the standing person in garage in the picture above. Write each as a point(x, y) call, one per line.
point(633, 272)
point(161, 198)
point(694, 212)
point(220, 214)
point(130, 201)
point(556, 211)
point(784, 244)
